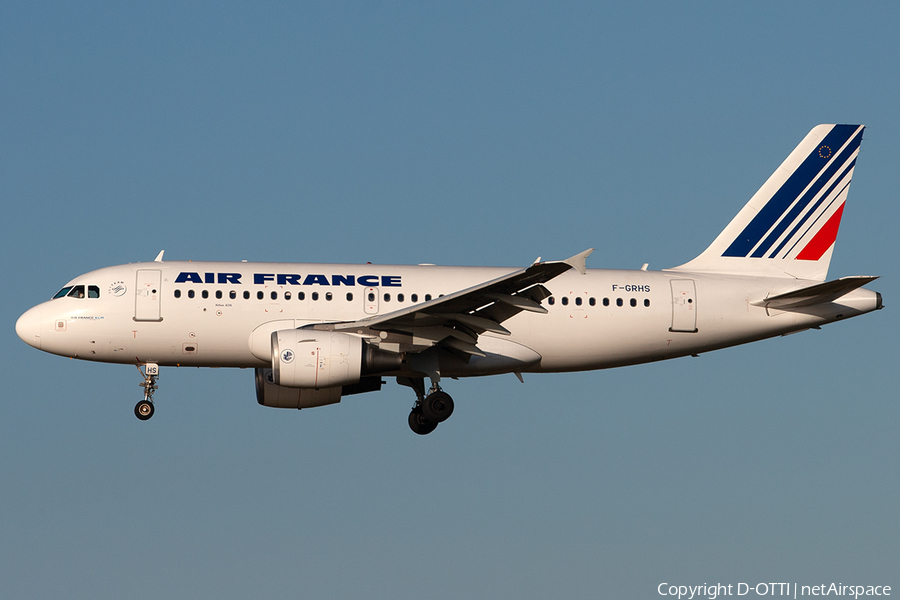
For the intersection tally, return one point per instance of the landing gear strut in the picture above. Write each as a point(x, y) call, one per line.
point(143, 410)
point(430, 410)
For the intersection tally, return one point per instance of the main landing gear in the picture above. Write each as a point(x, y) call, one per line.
point(143, 410)
point(429, 410)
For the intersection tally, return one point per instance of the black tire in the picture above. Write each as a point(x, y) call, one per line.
point(143, 410)
point(437, 407)
point(419, 424)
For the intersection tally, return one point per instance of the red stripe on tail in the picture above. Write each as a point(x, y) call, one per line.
point(823, 240)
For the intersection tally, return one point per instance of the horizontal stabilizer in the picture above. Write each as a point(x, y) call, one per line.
point(816, 294)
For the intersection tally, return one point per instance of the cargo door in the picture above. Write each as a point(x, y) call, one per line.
point(146, 296)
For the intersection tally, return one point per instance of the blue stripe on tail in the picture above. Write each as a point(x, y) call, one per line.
point(809, 170)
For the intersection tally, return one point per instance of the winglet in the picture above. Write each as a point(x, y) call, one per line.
point(577, 261)
point(159, 256)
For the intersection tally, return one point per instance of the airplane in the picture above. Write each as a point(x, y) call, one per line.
point(314, 333)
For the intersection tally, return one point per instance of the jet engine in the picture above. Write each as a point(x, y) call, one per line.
point(278, 396)
point(312, 359)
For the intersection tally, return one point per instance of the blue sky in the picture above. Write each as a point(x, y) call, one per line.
point(449, 133)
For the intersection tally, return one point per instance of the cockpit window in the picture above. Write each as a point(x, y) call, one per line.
point(77, 291)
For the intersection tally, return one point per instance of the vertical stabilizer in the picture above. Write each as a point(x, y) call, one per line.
point(789, 226)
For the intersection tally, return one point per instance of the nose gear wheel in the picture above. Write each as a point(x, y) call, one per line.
point(143, 410)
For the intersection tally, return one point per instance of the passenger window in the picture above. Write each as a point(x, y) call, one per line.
point(565, 300)
point(551, 300)
point(387, 297)
point(190, 293)
point(246, 295)
point(633, 302)
point(427, 297)
point(259, 295)
point(578, 301)
point(232, 294)
point(328, 296)
point(178, 293)
point(287, 295)
point(301, 295)
point(400, 297)
point(77, 292)
point(205, 294)
point(618, 302)
point(592, 301)
point(274, 295)
point(93, 291)
point(218, 294)
point(349, 296)
point(647, 302)
point(315, 295)
point(606, 302)
point(414, 297)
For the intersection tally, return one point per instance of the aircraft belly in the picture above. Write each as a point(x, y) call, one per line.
point(501, 356)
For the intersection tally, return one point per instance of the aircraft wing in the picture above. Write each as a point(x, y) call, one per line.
point(458, 319)
point(815, 294)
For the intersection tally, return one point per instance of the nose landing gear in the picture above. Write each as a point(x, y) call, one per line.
point(143, 410)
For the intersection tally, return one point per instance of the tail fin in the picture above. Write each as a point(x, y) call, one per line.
point(789, 226)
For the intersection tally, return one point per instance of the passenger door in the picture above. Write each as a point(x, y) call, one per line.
point(684, 306)
point(147, 291)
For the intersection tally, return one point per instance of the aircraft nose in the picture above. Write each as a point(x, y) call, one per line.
point(28, 327)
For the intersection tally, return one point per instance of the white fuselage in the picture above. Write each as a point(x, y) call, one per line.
point(218, 314)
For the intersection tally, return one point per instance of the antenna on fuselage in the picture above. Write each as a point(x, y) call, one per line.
point(159, 256)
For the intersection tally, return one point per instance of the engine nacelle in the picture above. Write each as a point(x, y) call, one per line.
point(312, 359)
point(277, 396)
point(305, 358)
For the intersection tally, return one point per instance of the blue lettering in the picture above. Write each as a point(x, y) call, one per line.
point(188, 278)
point(315, 279)
point(288, 279)
point(342, 280)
